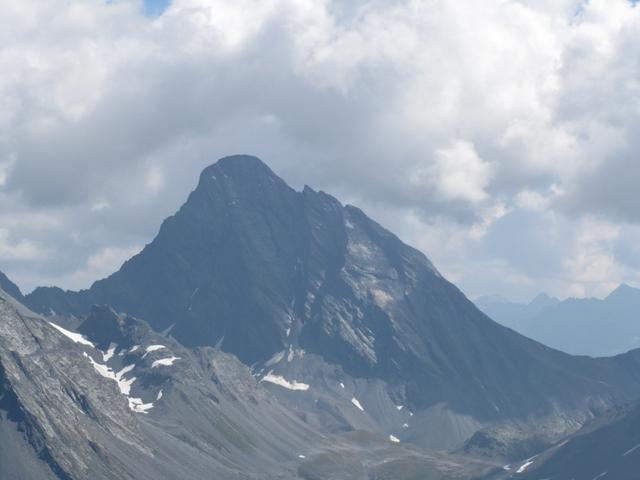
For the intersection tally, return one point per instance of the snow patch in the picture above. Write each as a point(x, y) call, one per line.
point(341, 384)
point(152, 348)
point(525, 465)
point(281, 381)
point(123, 384)
point(405, 425)
point(399, 407)
point(355, 401)
point(159, 396)
point(301, 456)
point(394, 439)
point(167, 362)
point(138, 406)
point(76, 337)
point(134, 348)
point(106, 356)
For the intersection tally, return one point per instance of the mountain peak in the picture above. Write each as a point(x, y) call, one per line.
point(9, 287)
point(239, 179)
point(543, 300)
point(623, 291)
point(238, 167)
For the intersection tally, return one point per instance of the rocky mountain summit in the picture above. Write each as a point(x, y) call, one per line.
point(341, 328)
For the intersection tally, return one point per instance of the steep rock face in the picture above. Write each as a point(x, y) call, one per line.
point(9, 287)
point(51, 396)
point(253, 266)
point(146, 408)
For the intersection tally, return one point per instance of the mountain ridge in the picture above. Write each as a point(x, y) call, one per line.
point(579, 326)
point(259, 269)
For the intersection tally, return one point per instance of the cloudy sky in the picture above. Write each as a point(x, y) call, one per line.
point(498, 136)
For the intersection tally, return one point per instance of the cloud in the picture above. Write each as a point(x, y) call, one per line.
point(460, 174)
point(459, 125)
point(102, 264)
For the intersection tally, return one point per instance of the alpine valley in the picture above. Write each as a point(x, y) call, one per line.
point(269, 333)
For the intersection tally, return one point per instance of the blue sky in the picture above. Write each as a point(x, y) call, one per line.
point(155, 7)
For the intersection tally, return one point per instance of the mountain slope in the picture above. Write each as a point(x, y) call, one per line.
point(9, 287)
point(253, 266)
point(117, 400)
point(586, 326)
point(608, 447)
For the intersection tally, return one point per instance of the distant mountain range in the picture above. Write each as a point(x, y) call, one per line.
point(277, 334)
point(586, 326)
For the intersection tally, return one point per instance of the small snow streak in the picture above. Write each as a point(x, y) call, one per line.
point(76, 337)
point(138, 406)
point(167, 362)
point(394, 439)
point(525, 465)
point(106, 356)
point(631, 450)
point(153, 348)
point(355, 401)
point(281, 381)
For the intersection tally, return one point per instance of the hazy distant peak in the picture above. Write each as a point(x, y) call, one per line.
point(623, 292)
point(543, 300)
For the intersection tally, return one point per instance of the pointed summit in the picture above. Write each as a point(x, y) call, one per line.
point(543, 300)
point(623, 292)
point(9, 287)
point(295, 280)
point(245, 173)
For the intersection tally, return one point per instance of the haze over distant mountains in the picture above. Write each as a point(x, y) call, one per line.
point(580, 326)
point(279, 334)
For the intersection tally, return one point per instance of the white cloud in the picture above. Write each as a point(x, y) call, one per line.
point(446, 120)
point(460, 174)
point(20, 250)
point(100, 265)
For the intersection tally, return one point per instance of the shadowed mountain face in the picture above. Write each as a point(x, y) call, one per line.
point(118, 401)
point(257, 268)
point(579, 326)
point(9, 287)
point(607, 447)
